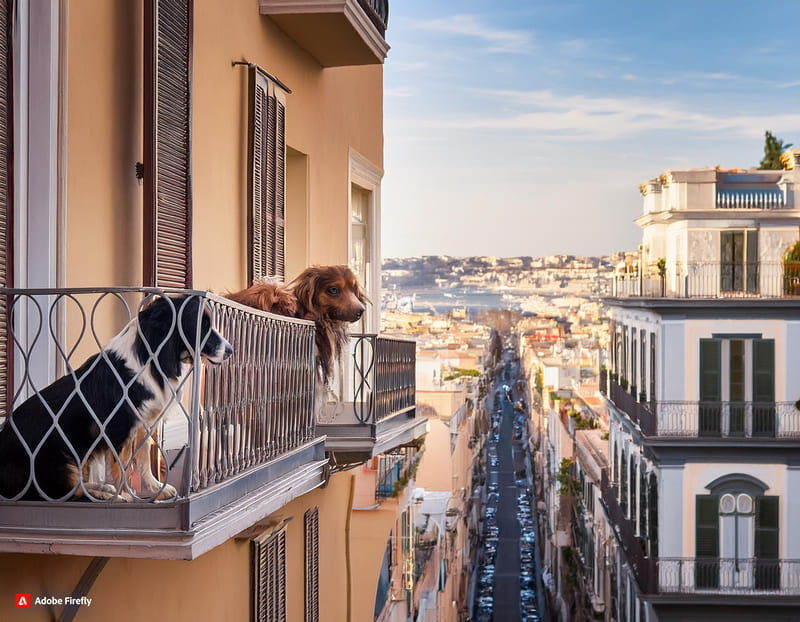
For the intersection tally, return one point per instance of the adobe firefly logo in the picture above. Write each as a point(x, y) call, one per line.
point(22, 601)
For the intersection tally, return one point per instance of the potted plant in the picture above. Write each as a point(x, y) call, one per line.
point(661, 266)
point(791, 270)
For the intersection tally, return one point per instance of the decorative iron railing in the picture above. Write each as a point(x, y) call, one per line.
point(215, 423)
point(394, 467)
point(733, 279)
point(696, 419)
point(384, 377)
point(378, 13)
point(644, 568)
point(691, 575)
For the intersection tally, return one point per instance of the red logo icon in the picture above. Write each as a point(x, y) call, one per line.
point(23, 601)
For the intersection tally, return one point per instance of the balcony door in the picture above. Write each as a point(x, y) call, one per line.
point(739, 261)
point(737, 387)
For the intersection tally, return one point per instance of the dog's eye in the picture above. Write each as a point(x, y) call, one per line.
point(333, 291)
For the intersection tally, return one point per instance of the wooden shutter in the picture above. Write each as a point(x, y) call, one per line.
point(266, 205)
point(652, 367)
point(751, 267)
point(312, 565)
point(652, 516)
point(767, 543)
point(269, 577)
point(707, 541)
point(167, 143)
point(623, 482)
point(6, 201)
point(763, 387)
point(710, 411)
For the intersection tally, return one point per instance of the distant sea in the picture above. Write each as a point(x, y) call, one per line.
point(437, 301)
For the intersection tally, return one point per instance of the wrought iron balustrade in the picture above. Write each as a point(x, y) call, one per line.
point(696, 419)
point(393, 467)
point(744, 576)
point(712, 279)
point(378, 13)
point(221, 421)
point(384, 377)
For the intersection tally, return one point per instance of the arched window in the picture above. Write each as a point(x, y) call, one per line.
point(737, 539)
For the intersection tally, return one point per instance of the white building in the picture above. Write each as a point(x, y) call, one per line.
point(704, 483)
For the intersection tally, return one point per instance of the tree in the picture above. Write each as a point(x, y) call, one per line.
point(773, 148)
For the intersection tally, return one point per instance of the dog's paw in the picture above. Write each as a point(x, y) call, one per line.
point(168, 492)
point(157, 491)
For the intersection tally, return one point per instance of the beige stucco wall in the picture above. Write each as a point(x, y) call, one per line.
point(328, 113)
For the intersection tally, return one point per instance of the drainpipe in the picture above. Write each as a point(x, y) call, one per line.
point(347, 546)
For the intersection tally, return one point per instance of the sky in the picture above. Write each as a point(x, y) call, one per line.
point(524, 127)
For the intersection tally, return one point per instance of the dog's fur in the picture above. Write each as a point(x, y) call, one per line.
point(330, 296)
point(66, 468)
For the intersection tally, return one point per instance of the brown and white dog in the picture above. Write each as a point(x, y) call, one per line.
point(330, 296)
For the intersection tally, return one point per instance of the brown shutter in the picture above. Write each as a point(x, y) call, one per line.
point(167, 143)
point(269, 577)
point(266, 176)
point(6, 200)
point(312, 565)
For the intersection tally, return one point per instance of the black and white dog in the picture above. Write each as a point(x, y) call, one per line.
point(127, 387)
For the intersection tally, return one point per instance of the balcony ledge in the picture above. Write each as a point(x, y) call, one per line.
point(338, 33)
point(182, 530)
point(355, 442)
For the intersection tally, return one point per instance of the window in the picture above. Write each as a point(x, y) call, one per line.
point(737, 535)
point(365, 194)
point(623, 482)
point(642, 366)
point(312, 565)
point(269, 577)
point(652, 515)
point(642, 500)
point(739, 261)
point(737, 387)
point(652, 367)
point(266, 204)
point(167, 238)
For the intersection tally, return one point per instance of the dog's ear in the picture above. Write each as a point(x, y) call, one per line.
point(305, 290)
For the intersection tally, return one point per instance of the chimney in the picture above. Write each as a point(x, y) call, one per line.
point(791, 159)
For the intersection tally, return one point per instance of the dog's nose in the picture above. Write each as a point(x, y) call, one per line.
point(228, 351)
point(359, 313)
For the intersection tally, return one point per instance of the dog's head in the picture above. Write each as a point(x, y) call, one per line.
point(329, 293)
point(173, 328)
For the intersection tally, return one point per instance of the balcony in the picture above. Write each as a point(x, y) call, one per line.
point(709, 420)
point(718, 280)
point(337, 33)
point(373, 409)
point(710, 576)
point(236, 440)
point(395, 469)
point(728, 576)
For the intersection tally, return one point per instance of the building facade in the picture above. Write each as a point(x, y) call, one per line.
point(704, 426)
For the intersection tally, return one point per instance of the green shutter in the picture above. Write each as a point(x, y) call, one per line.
point(763, 387)
point(710, 387)
point(707, 526)
point(767, 543)
point(706, 571)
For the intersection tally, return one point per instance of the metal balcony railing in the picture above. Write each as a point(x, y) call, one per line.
point(378, 13)
point(384, 377)
point(696, 419)
point(393, 467)
point(220, 421)
point(743, 576)
point(644, 568)
point(734, 279)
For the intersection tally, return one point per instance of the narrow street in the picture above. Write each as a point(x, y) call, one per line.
point(508, 585)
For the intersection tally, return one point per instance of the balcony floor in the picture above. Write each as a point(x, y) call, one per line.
point(184, 529)
point(356, 442)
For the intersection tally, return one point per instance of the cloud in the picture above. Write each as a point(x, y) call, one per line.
point(497, 40)
point(582, 117)
point(787, 85)
point(399, 91)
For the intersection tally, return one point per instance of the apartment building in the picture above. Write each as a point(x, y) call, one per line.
point(703, 482)
point(191, 147)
